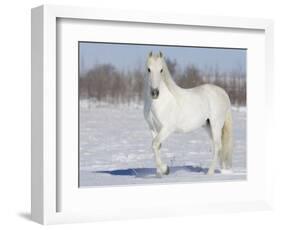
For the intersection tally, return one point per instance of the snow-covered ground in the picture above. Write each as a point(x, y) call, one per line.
point(115, 149)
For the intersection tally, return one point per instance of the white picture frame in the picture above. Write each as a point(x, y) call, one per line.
point(46, 181)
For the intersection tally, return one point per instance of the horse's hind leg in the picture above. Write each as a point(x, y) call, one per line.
point(156, 145)
point(216, 147)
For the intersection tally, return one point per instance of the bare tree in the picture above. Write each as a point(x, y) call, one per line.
point(106, 83)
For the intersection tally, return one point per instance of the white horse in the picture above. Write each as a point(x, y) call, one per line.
point(169, 108)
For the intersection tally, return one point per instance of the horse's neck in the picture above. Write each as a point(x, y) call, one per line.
point(171, 85)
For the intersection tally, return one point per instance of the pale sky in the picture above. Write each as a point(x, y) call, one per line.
point(131, 56)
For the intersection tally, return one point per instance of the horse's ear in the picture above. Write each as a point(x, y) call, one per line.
point(150, 54)
point(160, 54)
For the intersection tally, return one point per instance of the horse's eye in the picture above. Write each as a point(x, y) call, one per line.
point(161, 70)
point(148, 69)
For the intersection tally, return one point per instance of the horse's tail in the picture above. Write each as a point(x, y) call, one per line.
point(226, 151)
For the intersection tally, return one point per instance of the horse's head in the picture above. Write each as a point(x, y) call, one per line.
point(155, 71)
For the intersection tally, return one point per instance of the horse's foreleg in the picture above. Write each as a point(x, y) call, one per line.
point(156, 144)
point(153, 133)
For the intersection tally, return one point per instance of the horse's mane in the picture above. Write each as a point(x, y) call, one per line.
point(168, 80)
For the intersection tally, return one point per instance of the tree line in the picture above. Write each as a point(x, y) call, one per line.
point(105, 83)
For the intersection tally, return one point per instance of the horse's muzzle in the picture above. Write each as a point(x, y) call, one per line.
point(154, 93)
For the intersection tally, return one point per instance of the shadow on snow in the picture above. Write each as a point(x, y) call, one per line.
point(148, 172)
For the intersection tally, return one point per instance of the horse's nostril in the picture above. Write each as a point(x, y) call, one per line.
point(157, 92)
point(154, 93)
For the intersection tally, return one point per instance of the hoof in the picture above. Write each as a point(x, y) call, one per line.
point(167, 171)
point(159, 175)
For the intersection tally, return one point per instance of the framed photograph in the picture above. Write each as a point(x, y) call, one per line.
point(134, 108)
point(121, 113)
